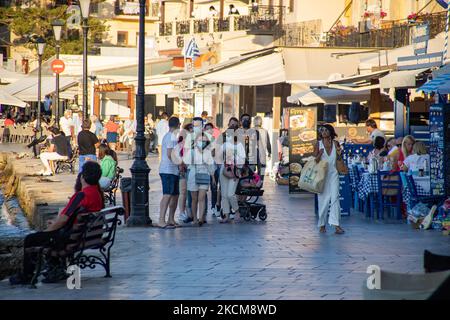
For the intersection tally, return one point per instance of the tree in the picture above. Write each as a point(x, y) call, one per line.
point(29, 23)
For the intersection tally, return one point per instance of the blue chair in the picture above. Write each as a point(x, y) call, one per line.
point(389, 188)
point(415, 198)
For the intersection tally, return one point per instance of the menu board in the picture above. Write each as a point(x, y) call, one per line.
point(302, 138)
point(440, 149)
point(436, 149)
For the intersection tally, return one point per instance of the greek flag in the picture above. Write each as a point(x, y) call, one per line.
point(191, 50)
point(443, 3)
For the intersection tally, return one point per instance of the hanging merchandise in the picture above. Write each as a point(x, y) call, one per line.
point(354, 112)
point(329, 113)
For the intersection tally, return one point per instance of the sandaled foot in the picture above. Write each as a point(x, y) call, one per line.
point(339, 230)
point(322, 229)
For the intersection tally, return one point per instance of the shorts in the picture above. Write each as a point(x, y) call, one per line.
point(192, 186)
point(111, 137)
point(170, 184)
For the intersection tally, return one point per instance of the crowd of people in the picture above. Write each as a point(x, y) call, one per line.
point(199, 158)
point(399, 154)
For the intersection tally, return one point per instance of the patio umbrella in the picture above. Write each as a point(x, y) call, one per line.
point(8, 99)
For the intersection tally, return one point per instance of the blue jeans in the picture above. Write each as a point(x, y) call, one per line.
point(84, 158)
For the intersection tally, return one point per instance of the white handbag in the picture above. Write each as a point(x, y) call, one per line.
point(313, 176)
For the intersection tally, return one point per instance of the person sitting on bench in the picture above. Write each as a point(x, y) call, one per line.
point(58, 150)
point(89, 199)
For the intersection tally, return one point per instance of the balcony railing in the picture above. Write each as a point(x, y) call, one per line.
point(302, 34)
point(394, 33)
point(165, 29)
point(266, 19)
point(201, 26)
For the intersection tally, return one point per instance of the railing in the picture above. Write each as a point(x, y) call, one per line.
point(165, 29)
point(201, 26)
point(182, 27)
point(393, 34)
point(221, 25)
point(265, 19)
point(300, 34)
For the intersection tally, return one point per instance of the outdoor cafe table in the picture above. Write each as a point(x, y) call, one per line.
point(369, 185)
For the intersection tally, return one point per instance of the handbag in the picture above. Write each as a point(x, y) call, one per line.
point(313, 176)
point(230, 170)
point(340, 164)
point(202, 178)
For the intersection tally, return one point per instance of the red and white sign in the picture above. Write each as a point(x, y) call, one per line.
point(58, 66)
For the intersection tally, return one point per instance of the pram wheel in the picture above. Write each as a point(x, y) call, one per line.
point(263, 214)
point(245, 213)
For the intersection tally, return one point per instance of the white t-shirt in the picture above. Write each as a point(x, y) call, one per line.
point(234, 153)
point(377, 133)
point(161, 129)
point(65, 125)
point(166, 166)
point(416, 162)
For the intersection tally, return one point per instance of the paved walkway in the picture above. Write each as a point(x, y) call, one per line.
point(282, 258)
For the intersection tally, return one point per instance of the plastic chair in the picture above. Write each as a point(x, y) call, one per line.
point(390, 184)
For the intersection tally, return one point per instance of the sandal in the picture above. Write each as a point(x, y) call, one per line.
point(339, 230)
point(322, 229)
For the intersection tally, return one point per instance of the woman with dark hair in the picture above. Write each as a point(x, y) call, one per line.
point(378, 145)
point(328, 149)
point(108, 165)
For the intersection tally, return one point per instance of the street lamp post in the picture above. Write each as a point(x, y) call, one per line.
point(57, 28)
point(40, 44)
point(139, 215)
point(84, 8)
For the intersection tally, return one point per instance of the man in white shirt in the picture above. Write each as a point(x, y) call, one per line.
point(129, 128)
point(169, 173)
point(161, 129)
point(66, 125)
point(373, 132)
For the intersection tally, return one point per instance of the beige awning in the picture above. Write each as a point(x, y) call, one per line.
point(401, 79)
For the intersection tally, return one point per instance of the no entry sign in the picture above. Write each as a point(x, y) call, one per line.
point(58, 66)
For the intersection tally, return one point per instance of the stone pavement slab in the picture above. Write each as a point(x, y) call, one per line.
point(282, 258)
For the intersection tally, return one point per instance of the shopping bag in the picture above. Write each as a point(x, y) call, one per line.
point(313, 176)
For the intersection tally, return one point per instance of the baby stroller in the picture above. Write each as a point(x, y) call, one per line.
point(248, 192)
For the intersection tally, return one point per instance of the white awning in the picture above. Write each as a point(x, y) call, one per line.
point(27, 88)
point(7, 99)
point(257, 71)
point(401, 79)
point(325, 96)
point(7, 76)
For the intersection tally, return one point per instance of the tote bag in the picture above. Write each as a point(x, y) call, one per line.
point(313, 176)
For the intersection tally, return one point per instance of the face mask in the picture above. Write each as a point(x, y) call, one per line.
point(201, 144)
point(246, 123)
point(197, 129)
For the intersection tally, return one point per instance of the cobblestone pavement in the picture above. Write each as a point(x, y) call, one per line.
point(282, 258)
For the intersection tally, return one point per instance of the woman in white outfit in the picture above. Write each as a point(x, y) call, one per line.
point(326, 149)
point(233, 154)
point(201, 170)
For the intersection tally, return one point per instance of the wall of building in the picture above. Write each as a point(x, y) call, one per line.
point(132, 29)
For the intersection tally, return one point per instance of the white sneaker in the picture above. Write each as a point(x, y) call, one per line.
point(213, 212)
point(232, 216)
point(426, 223)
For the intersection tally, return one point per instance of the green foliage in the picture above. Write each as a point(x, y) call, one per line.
point(29, 23)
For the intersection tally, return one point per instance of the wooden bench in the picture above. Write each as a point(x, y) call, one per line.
point(110, 193)
point(91, 232)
